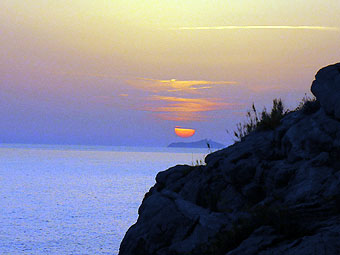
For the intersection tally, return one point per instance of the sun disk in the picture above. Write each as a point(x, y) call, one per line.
point(184, 132)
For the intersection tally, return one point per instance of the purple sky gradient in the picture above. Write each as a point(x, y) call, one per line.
point(118, 73)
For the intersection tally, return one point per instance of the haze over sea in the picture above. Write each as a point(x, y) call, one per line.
point(76, 199)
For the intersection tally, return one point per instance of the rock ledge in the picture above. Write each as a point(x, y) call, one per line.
point(276, 192)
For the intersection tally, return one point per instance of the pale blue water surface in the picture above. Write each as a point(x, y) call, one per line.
point(76, 199)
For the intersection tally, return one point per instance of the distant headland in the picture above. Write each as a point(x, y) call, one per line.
point(205, 143)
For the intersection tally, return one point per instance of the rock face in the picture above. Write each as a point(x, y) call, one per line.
point(326, 88)
point(275, 192)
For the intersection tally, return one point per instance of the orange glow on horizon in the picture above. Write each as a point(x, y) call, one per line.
point(184, 132)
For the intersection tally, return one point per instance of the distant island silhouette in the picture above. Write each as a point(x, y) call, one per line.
point(198, 144)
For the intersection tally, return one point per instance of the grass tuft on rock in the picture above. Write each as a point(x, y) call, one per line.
point(308, 105)
point(270, 120)
point(261, 121)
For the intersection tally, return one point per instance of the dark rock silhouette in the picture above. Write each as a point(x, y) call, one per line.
point(198, 144)
point(327, 90)
point(275, 192)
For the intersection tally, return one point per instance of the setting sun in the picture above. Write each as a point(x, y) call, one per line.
point(184, 132)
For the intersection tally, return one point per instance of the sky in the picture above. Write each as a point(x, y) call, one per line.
point(127, 72)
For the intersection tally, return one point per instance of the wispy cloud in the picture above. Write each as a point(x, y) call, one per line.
point(173, 85)
point(89, 74)
point(160, 98)
point(185, 109)
point(284, 27)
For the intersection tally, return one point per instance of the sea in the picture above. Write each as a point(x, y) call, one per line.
point(57, 199)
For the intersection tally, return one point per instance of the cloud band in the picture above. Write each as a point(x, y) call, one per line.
point(258, 27)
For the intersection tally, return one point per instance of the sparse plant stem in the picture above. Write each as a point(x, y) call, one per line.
point(263, 121)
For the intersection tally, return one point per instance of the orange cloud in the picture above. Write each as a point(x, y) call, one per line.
point(178, 104)
point(167, 107)
point(186, 109)
point(181, 116)
point(174, 85)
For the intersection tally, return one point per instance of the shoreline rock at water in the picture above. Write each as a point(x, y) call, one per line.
point(275, 192)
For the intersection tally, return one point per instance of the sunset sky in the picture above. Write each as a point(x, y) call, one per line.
point(127, 72)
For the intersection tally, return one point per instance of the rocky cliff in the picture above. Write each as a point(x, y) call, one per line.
point(275, 192)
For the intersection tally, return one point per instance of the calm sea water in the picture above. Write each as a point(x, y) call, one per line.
point(76, 199)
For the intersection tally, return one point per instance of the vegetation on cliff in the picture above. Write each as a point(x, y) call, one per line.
point(270, 120)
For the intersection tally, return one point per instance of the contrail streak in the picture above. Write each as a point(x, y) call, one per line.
point(258, 27)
